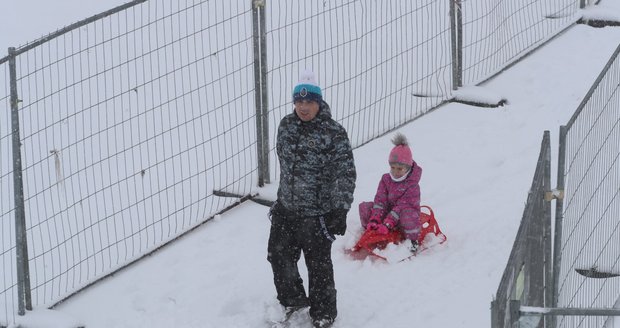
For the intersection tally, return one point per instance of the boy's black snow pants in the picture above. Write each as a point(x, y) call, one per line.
point(289, 236)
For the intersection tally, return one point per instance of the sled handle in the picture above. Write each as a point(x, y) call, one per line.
point(429, 209)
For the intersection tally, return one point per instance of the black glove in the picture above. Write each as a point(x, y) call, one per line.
point(277, 210)
point(337, 221)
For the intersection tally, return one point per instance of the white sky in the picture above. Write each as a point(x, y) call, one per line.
point(478, 165)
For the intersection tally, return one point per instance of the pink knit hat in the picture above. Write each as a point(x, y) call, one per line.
point(401, 153)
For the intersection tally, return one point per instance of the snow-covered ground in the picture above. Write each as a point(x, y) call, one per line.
point(478, 164)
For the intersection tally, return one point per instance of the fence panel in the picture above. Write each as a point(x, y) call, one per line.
point(129, 123)
point(380, 64)
point(590, 223)
point(528, 268)
point(499, 32)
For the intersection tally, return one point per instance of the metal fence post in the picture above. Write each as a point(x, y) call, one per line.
point(456, 29)
point(547, 241)
point(559, 208)
point(21, 247)
point(264, 95)
point(494, 314)
point(260, 94)
point(513, 311)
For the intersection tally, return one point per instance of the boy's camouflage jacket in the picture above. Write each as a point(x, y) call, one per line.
point(317, 171)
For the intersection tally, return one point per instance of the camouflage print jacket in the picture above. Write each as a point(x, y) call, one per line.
point(317, 172)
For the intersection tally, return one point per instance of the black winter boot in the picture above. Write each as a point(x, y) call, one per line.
point(323, 323)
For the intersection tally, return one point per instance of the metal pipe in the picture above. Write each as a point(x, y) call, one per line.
point(547, 240)
point(455, 36)
point(264, 94)
point(559, 208)
point(21, 249)
point(526, 310)
point(256, 4)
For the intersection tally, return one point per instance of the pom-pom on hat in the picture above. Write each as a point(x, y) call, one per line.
point(307, 88)
point(401, 153)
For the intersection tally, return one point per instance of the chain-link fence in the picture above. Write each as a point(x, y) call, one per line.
point(127, 128)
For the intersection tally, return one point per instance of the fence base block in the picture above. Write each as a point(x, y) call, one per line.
point(45, 317)
point(530, 321)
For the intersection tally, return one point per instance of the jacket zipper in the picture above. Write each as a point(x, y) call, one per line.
point(295, 154)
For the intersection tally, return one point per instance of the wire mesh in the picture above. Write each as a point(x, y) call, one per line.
point(499, 32)
point(528, 265)
point(380, 64)
point(591, 222)
point(129, 123)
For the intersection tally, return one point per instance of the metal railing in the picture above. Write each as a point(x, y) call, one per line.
point(584, 290)
point(587, 219)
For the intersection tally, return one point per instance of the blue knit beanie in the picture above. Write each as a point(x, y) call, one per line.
point(307, 88)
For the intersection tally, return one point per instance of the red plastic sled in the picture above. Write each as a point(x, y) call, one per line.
point(429, 225)
point(372, 240)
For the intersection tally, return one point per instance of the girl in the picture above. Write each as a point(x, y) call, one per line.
point(397, 201)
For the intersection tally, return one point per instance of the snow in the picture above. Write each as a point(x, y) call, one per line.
point(603, 12)
point(532, 309)
point(44, 318)
point(478, 165)
point(479, 95)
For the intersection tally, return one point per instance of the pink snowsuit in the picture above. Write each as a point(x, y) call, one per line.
point(396, 202)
